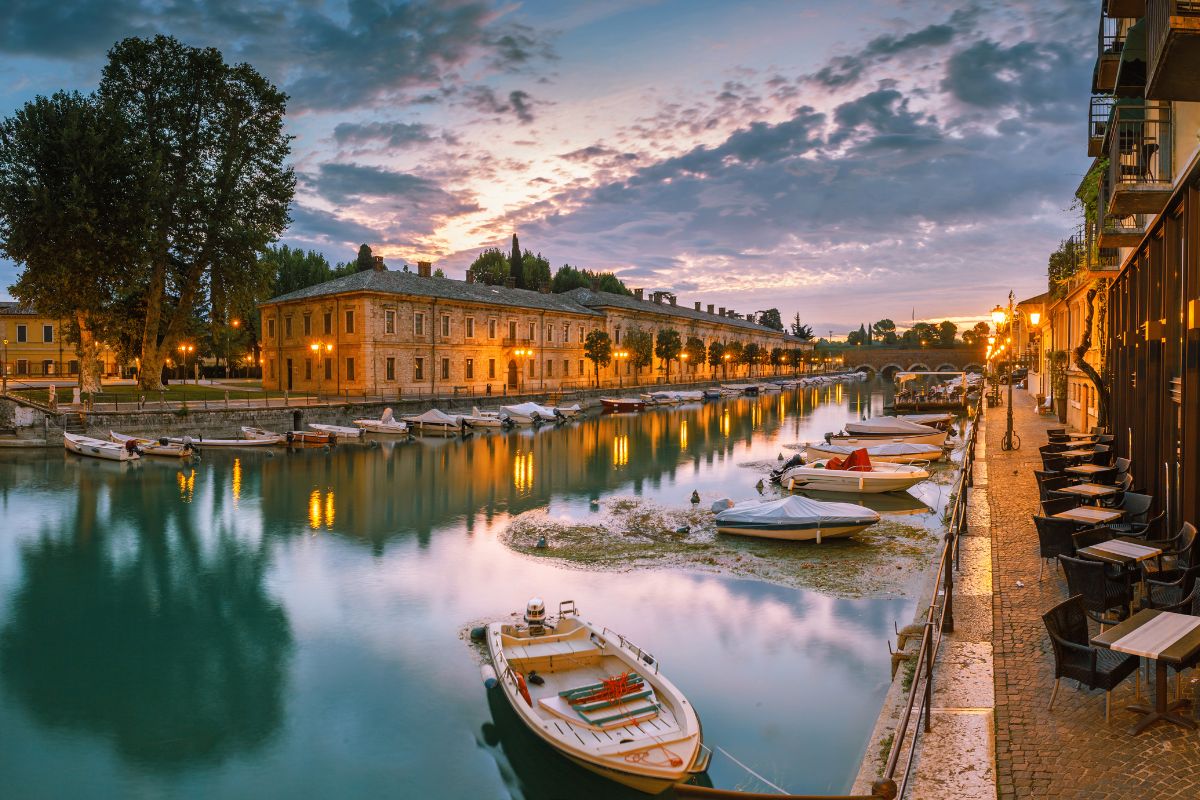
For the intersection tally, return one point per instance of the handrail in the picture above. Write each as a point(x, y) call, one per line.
point(939, 614)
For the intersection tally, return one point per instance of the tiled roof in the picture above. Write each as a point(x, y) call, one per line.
point(592, 299)
point(11, 308)
point(410, 283)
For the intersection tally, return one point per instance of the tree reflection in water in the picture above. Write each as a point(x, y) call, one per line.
point(160, 638)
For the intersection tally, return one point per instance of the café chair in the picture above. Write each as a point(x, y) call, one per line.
point(1077, 659)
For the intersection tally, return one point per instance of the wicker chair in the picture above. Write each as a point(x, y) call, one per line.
point(1055, 447)
point(1104, 588)
point(1056, 431)
point(1102, 455)
point(1179, 554)
point(1075, 658)
point(1053, 463)
point(1137, 511)
point(1169, 595)
point(1054, 539)
point(1123, 465)
point(1046, 487)
point(1041, 475)
point(1060, 503)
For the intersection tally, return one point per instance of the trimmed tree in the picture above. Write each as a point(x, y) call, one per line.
point(667, 346)
point(716, 357)
point(640, 345)
point(750, 356)
point(695, 351)
point(597, 348)
point(366, 259)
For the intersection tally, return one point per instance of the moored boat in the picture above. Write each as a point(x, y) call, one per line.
point(485, 419)
point(597, 698)
point(202, 441)
point(98, 448)
point(340, 431)
point(529, 413)
point(932, 420)
point(289, 437)
point(935, 437)
point(887, 426)
point(795, 518)
point(387, 423)
point(435, 422)
point(566, 412)
point(824, 476)
point(622, 403)
point(888, 452)
point(155, 447)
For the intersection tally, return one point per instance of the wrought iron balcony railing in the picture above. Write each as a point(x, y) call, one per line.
point(1138, 144)
point(1172, 49)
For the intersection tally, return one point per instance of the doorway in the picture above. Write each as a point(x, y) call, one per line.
point(289, 374)
point(513, 375)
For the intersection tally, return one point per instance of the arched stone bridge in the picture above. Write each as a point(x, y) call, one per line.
point(887, 361)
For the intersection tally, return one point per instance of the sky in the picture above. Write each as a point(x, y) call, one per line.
point(844, 161)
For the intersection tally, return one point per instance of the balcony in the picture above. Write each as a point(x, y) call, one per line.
point(1125, 8)
point(1138, 145)
point(1173, 49)
point(1117, 230)
point(1110, 43)
point(1098, 115)
point(516, 341)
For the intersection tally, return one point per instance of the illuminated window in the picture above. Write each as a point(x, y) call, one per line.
point(418, 369)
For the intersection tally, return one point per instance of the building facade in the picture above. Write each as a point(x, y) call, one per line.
point(383, 332)
point(32, 346)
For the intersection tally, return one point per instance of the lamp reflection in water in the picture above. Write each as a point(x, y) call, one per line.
point(187, 485)
point(523, 472)
point(315, 507)
point(237, 481)
point(620, 450)
point(725, 423)
point(683, 435)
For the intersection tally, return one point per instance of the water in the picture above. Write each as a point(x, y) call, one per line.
point(289, 624)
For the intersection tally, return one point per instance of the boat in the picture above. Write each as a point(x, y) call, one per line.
point(485, 419)
point(338, 431)
point(887, 426)
point(888, 452)
point(933, 420)
point(201, 441)
point(99, 448)
point(856, 474)
point(934, 437)
point(660, 399)
point(436, 422)
point(597, 698)
point(529, 413)
point(566, 412)
point(622, 403)
point(796, 519)
point(154, 447)
point(712, 394)
point(290, 437)
point(387, 423)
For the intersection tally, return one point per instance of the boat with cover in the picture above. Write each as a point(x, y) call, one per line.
point(529, 413)
point(888, 452)
point(566, 412)
point(711, 394)
point(795, 518)
point(933, 420)
point(485, 419)
point(339, 431)
point(856, 473)
point(290, 437)
point(886, 426)
point(597, 698)
point(435, 422)
point(98, 448)
point(387, 423)
point(154, 447)
point(201, 441)
point(933, 437)
point(622, 403)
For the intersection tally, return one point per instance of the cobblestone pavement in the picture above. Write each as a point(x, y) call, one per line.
point(1069, 752)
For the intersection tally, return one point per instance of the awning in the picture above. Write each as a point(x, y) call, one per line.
point(1131, 74)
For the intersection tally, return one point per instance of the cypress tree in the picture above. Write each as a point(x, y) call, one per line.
point(515, 266)
point(366, 260)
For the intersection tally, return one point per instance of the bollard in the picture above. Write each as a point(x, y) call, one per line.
point(948, 599)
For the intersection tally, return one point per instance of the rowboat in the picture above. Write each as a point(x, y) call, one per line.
point(934, 437)
point(154, 447)
point(933, 420)
point(340, 431)
point(597, 698)
point(887, 426)
point(98, 448)
point(882, 477)
point(435, 422)
point(387, 423)
point(622, 403)
point(659, 399)
point(712, 394)
point(795, 518)
point(201, 441)
point(888, 452)
point(291, 437)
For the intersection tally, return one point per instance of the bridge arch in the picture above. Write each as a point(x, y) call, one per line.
point(919, 367)
point(867, 368)
point(946, 367)
point(974, 367)
point(888, 371)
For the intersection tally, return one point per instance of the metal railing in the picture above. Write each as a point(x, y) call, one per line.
point(1099, 112)
point(1139, 145)
point(1158, 26)
point(939, 620)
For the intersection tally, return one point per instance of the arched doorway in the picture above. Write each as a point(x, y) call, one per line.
point(513, 375)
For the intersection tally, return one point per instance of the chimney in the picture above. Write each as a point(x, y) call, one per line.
point(732, 314)
point(638, 294)
point(721, 312)
point(378, 265)
point(545, 287)
point(697, 305)
point(672, 299)
point(424, 268)
point(595, 284)
point(510, 282)
point(470, 276)
point(710, 308)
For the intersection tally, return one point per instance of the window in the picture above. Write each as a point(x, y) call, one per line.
point(350, 321)
point(531, 367)
point(566, 368)
point(581, 366)
point(23, 366)
point(307, 368)
point(470, 369)
point(270, 329)
point(549, 333)
point(549, 368)
point(389, 321)
point(445, 369)
point(349, 369)
point(47, 333)
point(389, 369)
point(329, 369)
point(328, 323)
point(418, 369)
point(445, 326)
point(308, 324)
point(531, 329)
point(566, 333)
point(491, 329)
point(470, 327)
point(512, 329)
point(491, 369)
point(581, 333)
point(271, 367)
point(287, 327)
point(419, 323)
point(617, 331)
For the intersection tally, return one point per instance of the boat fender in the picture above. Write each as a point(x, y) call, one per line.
point(478, 633)
point(535, 679)
point(524, 690)
point(489, 676)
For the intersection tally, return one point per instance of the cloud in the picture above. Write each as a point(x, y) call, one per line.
point(1026, 77)
point(313, 225)
point(843, 71)
point(349, 183)
point(484, 99)
point(396, 135)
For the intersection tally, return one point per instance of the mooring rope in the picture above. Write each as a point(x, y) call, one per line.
point(729, 755)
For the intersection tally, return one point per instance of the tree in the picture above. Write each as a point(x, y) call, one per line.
point(858, 337)
point(750, 355)
point(716, 356)
point(946, 331)
point(920, 334)
point(885, 331)
point(777, 356)
point(801, 332)
point(771, 319)
point(640, 345)
point(69, 214)
point(976, 336)
point(535, 271)
point(597, 348)
point(211, 150)
point(734, 351)
point(696, 351)
point(490, 267)
point(515, 270)
point(667, 347)
point(292, 270)
point(365, 261)
point(439, 273)
point(568, 278)
point(1081, 362)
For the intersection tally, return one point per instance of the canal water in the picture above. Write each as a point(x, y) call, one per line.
point(291, 624)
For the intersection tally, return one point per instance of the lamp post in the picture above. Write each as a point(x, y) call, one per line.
point(4, 368)
point(318, 348)
point(184, 351)
point(1002, 316)
point(683, 357)
point(620, 356)
point(523, 353)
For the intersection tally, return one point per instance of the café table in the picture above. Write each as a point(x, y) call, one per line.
point(1087, 469)
point(1090, 515)
point(1122, 550)
point(1078, 452)
point(1092, 491)
point(1167, 639)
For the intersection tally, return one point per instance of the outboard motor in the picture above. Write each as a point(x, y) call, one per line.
point(535, 616)
point(795, 461)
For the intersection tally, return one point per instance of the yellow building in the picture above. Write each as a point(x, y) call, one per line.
point(32, 345)
point(382, 332)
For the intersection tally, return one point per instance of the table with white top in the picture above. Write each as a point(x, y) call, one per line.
point(1091, 515)
point(1121, 550)
point(1087, 469)
point(1091, 491)
point(1166, 638)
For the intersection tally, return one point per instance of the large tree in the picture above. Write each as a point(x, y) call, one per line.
point(946, 331)
point(365, 262)
point(801, 332)
point(293, 269)
point(977, 335)
point(535, 271)
point(567, 278)
point(211, 148)
point(884, 331)
point(597, 348)
point(667, 346)
point(491, 267)
point(695, 350)
point(640, 345)
point(750, 356)
point(716, 357)
point(771, 319)
point(70, 215)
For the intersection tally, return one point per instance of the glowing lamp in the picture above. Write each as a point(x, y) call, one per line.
point(999, 315)
point(1035, 317)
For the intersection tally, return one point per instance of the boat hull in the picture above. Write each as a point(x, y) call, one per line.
point(200, 441)
point(610, 404)
point(855, 483)
point(153, 447)
point(340, 431)
point(814, 533)
point(97, 448)
point(375, 426)
point(815, 452)
point(937, 438)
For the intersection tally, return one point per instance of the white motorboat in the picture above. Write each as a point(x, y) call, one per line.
point(201, 441)
point(886, 426)
point(934, 437)
point(888, 452)
point(154, 447)
point(340, 431)
point(795, 518)
point(529, 413)
point(435, 422)
point(566, 412)
point(387, 423)
point(932, 420)
point(484, 419)
point(882, 477)
point(597, 698)
point(98, 448)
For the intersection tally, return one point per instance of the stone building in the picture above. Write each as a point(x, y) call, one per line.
point(381, 331)
point(32, 344)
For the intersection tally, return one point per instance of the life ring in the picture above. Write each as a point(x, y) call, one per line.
point(524, 690)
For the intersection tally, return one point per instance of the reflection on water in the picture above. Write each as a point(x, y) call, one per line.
point(182, 626)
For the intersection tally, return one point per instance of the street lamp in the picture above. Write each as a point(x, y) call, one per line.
point(523, 352)
point(4, 367)
point(1002, 316)
point(683, 357)
point(184, 351)
point(317, 347)
point(620, 355)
